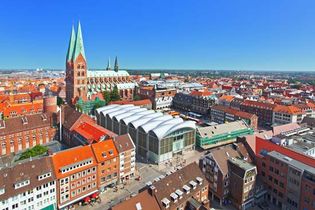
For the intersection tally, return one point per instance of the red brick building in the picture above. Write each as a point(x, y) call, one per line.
point(264, 111)
point(222, 114)
point(288, 175)
point(20, 133)
point(84, 84)
point(72, 119)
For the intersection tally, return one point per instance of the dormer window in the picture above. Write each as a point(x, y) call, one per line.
point(199, 180)
point(186, 189)
point(193, 184)
point(179, 193)
point(2, 191)
point(21, 184)
point(44, 176)
point(111, 152)
point(24, 120)
point(174, 197)
point(166, 202)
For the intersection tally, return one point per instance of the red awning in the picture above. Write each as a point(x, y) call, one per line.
point(87, 199)
point(94, 195)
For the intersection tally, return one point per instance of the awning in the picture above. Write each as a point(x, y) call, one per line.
point(94, 195)
point(87, 199)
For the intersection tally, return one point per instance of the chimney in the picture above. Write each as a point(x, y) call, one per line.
point(152, 190)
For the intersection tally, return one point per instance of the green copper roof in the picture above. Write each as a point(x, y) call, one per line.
point(71, 45)
point(79, 47)
point(116, 67)
point(108, 65)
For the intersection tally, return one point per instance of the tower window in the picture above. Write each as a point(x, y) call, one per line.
point(78, 74)
point(78, 82)
point(83, 73)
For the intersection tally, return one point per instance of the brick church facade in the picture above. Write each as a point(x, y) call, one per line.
point(86, 84)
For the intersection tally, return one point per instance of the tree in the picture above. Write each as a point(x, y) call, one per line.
point(60, 101)
point(114, 95)
point(106, 96)
point(136, 97)
point(35, 151)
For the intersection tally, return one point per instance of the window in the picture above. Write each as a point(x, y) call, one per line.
point(15, 206)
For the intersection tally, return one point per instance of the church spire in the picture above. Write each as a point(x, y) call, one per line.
point(71, 45)
point(116, 66)
point(79, 46)
point(108, 65)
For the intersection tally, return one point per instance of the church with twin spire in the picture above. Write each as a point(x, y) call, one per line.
point(87, 85)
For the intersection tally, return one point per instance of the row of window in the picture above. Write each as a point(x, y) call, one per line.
point(77, 165)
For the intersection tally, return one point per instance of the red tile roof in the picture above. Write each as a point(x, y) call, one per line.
point(22, 108)
point(292, 110)
point(241, 114)
point(228, 98)
point(259, 104)
point(136, 103)
point(267, 145)
point(92, 132)
point(71, 156)
point(104, 150)
point(200, 93)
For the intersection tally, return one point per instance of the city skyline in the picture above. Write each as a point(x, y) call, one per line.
point(248, 35)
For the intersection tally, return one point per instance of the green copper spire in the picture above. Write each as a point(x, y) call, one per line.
point(116, 67)
point(71, 45)
point(79, 47)
point(108, 65)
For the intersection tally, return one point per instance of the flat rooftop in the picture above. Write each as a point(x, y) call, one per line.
point(242, 163)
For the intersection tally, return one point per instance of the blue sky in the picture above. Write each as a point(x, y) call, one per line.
point(171, 34)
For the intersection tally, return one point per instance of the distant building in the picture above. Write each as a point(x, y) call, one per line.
point(286, 114)
point(28, 185)
point(186, 188)
point(198, 102)
point(217, 135)
point(145, 103)
point(222, 114)
point(161, 98)
point(264, 111)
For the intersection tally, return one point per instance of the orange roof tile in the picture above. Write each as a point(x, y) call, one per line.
point(71, 156)
point(228, 98)
point(92, 132)
point(287, 109)
point(200, 93)
point(104, 150)
point(258, 104)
